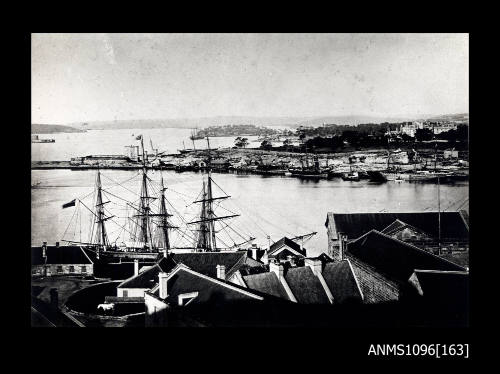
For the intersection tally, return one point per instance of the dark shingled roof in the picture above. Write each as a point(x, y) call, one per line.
point(396, 225)
point(341, 282)
point(59, 255)
point(288, 242)
point(394, 258)
point(443, 287)
point(147, 279)
point(305, 286)
point(267, 283)
point(454, 225)
point(202, 262)
point(206, 262)
point(184, 281)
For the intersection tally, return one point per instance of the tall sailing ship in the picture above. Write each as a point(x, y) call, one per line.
point(149, 225)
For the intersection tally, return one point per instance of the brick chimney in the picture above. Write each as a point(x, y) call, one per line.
point(315, 265)
point(254, 250)
point(164, 253)
point(221, 272)
point(57, 244)
point(277, 268)
point(342, 245)
point(162, 281)
point(136, 267)
point(44, 250)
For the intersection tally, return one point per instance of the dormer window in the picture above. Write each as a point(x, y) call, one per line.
point(186, 298)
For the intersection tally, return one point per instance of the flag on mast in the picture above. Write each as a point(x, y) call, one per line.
point(71, 203)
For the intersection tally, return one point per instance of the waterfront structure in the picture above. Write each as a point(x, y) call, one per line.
point(383, 265)
point(166, 302)
point(49, 261)
point(285, 249)
point(432, 231)
point(207, 263)
point(317, 281)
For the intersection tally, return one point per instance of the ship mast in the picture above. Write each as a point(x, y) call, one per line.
point(165, 240)
point(144, 208)
point(207, 239)
point(101, 237)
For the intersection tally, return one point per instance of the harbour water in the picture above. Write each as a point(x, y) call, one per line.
point(113, 142)
point(275, 206)
point(272, 206)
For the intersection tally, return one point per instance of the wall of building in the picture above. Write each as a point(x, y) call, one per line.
point(374, 286)
point(131, 292)
point(62, 269)
point(155, 311)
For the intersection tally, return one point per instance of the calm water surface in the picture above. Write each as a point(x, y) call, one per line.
point(274, 206)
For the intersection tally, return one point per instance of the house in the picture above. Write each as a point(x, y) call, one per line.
point(317, 282)
point(187, 297)
point(285, 249)
point(383, 264)
point(205, 263)
point(421, 228)
point(60, 260)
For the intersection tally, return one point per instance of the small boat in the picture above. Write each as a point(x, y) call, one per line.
point(351, 176)
point(36, 139)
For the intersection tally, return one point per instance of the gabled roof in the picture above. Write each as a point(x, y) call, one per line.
point(286, 242)
point(342, 282)
point(183, 280)
point(454, 225)
point(206, 262)
point(202, 262)
point(267, 283)
point(305, 286)
point(64, 255)
point(398, 225)
point(394, 258)
point(146, 279)
point(446, 289)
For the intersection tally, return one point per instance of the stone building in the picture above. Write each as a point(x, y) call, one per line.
point(60, 260)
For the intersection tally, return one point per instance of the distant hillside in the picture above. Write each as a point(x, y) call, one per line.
point(204, 122)
point(37, 128)
point(231, 120)
point(461, 117)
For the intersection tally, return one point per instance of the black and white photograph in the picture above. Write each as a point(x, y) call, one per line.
point(263, 180)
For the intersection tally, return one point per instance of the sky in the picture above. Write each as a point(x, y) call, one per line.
point(101, 77)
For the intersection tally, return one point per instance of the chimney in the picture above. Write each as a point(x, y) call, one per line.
point(315, 265)
point(254, 251)
point(44, 249)
point(164, 253)
point(342, 245)
point(277, 268)
point(136, 267)
point(163, 285)
point(221, 272)
point(57, 244)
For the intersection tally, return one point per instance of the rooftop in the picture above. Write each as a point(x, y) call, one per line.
point(59, 255)
point(394, 258)
point(454, 225)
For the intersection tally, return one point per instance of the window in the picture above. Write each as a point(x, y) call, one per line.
point(71, 269)
point(125, 293)
point(59, 269)
point(84, 269)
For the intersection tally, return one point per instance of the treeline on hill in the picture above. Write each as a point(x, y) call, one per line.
point(236, 130)
point(338, 137)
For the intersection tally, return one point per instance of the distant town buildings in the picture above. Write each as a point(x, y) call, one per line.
point(410, 128)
